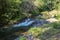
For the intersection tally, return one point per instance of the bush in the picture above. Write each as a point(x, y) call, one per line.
point(48, 5)
point(22, 38)
point(12, 11)
point(55, 25)
point(37, 31)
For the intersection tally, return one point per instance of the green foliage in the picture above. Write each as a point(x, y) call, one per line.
point(36, 31)
point(57, 16)
point(49, 34)
point(55, 25)
point(10, 11)
point(45, 5)
point(49, 5)
point(22, 38)
point(56, 4)
point(13, 10)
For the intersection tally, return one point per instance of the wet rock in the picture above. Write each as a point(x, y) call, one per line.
point(40, 22)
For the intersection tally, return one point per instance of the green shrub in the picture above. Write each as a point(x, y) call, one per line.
point(55, 25)
point(13, 11)
point(48, 5)
point(36, 31)
point(22, 38)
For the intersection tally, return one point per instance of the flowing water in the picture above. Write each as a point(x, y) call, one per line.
point(30, 22)
point(26, 23)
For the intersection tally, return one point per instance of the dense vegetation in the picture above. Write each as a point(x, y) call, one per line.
point(13, 11)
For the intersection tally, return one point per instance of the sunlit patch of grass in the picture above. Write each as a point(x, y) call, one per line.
point(37, 30)
point(38, 3)
point(45, 15)
point(51, 14)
